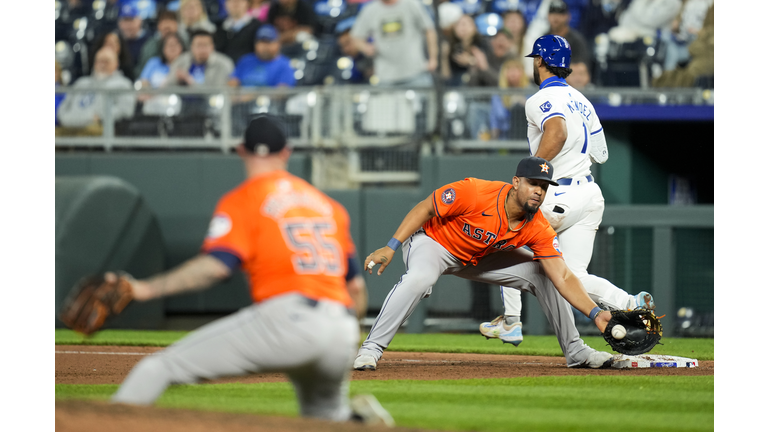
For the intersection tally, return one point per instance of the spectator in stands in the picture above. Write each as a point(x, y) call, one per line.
point(264, 66)
point(514, 21)
point(192, 17)
point(167, 24)
point(235, 35)
point(448, 14)
point(294, 20)
point(201, 66)
point(259, 9)
point(131, 27)
point(361, 68)
point(559, 24)
point(600, 16)
point(113, 41)
point(580, 78)
point(485, 71)
point(507, 120)
point(644, 18)
point(684, 30)
point(156, 71)
point(461, 52)
point(702, 62)
point(82, 113)
point(399, 29)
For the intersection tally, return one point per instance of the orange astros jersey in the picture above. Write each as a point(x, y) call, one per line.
point(471, 222)
point(288, 236)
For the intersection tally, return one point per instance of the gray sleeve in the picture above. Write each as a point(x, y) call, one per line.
point(362, 28)
point(424, 20)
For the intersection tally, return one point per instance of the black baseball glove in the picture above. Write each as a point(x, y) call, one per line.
point(93, 299)
point(643, 331)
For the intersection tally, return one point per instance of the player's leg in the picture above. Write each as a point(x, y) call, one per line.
point(577, 231)
point(425, 260)
point(508, 327)
point(322, 385)
point(235, 345)
point(515, 269)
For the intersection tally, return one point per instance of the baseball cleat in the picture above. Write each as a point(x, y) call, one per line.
point(367, 410)
point(499, 329)
point(365, 362)
point(599, 359)
point(644, 300)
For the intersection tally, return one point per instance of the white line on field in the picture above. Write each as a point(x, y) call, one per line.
point(105, 353)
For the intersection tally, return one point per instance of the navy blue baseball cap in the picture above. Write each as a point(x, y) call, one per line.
point(266, 33)
point(536, 168)
point(265, 135)
point(129, 10)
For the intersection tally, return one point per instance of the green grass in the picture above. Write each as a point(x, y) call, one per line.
point(572, 403)
point(563, 403)
point(701, 349)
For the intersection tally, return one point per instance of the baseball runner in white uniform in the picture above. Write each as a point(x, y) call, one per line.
point(564, 129)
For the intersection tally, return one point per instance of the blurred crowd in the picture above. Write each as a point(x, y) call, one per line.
point(148, 44)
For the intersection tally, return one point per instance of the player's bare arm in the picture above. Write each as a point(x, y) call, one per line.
point(553, 138)
point(359, 293)
point(195, 274)
point(570, 287)
point(415, 218)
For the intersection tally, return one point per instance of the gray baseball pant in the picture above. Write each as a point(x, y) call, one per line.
point(426, 260)
point(314, 343)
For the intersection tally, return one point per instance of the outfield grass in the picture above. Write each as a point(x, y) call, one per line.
point(571, 403)
point(698, 348)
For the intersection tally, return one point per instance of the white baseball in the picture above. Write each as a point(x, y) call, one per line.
point(371, 264)
point(618, 331)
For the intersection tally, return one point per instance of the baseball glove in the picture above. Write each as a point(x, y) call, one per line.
point(93, 299)
point(643, 331)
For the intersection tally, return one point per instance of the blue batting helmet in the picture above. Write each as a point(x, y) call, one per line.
point(555, 50)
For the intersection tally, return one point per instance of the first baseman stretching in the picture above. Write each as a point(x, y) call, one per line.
point(563, 128)
point(476, 229)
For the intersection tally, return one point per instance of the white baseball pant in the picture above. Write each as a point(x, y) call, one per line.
point(426, 260)
point(314, 343)
point(575, 212)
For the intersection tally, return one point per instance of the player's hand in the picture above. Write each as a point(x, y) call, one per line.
point(381, 256)
point(601, 320)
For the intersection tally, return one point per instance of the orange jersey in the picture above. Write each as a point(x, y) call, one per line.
point(289, 237)
point(471, 222)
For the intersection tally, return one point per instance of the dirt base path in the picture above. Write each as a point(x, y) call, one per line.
point(79, 364)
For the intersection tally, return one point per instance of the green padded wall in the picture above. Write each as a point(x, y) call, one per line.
point(103, 223)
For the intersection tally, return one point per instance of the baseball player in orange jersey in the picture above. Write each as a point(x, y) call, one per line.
point(564, 129)
point(293, 241)
point(476, 229)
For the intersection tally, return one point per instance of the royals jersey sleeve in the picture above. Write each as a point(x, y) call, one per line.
point(541, 107)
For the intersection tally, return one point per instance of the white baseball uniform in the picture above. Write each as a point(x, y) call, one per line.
point(575, 208)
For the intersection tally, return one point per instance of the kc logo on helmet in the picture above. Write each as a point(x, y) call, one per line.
point(545, 107)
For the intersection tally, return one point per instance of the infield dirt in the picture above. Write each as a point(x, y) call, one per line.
point(77, 364)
